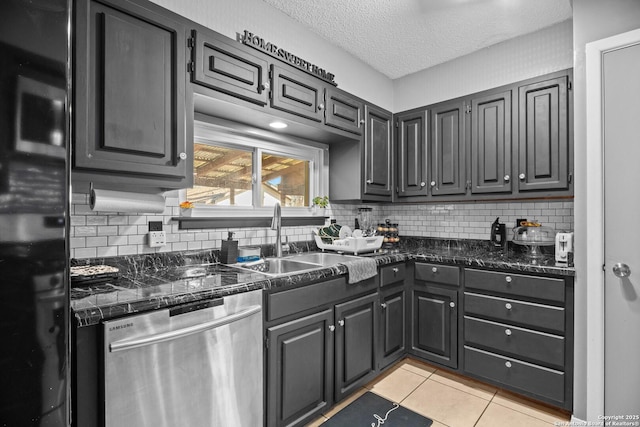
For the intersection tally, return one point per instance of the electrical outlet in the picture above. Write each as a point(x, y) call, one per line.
point(157, 239)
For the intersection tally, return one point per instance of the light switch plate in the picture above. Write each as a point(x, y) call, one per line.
point(157, 239)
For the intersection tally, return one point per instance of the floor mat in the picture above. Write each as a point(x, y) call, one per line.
point(371, 410)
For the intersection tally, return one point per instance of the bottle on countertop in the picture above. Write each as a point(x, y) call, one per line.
point(229, 250)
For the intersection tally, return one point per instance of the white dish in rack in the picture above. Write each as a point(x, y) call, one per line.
point(353, 245)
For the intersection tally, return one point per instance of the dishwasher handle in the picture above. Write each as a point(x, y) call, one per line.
point(179, 333)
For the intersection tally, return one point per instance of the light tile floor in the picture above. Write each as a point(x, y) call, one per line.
point(451, 400)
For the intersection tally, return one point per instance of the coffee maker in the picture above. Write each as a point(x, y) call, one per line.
point(498, 234)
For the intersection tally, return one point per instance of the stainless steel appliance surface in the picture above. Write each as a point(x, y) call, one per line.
point(198, 364)
point(34, 215)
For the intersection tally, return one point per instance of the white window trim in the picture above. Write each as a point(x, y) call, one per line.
point(226, 136)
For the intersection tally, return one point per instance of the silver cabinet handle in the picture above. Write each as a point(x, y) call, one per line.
point(320, 106)
point(362, 121)
point(423, 184)
point(266, 85)
point(507, 306)
point(507, 332)
point(383, 305)
point(508, 279)
point(507, 364)
point(433, 183)
point(369, 181)
point(621, 270)
point(332, 328)
point(507, 178)
point(452, 304)
point(341, 322)
point(183, 156)
point(395, 269)
point(522, 176)
point(184, 332)
point(434, 269)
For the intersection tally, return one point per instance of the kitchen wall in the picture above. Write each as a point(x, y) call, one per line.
point(102, 234)
point(229, 17)
point(593, 20)
point(531, 55)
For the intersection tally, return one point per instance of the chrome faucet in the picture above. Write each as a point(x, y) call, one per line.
point(276, 224)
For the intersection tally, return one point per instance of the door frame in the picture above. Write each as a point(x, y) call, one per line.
point(594, 215)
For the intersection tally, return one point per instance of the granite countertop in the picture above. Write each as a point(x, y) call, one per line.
point(162, 280)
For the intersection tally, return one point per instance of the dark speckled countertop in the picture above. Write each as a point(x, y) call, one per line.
point(149, 282)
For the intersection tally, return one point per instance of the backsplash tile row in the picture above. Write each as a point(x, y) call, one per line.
point(96, 234)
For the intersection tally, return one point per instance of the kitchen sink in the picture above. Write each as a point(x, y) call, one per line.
point(295, 263)
point(279, 266)
point(322, 258)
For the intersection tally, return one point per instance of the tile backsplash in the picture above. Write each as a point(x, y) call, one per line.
point(98, 234)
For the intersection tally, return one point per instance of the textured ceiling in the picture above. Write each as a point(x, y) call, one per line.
point(400, 37)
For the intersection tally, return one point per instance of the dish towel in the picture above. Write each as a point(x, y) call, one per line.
point(361, 269)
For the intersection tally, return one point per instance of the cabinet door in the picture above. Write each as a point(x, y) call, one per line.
point(491, 143)
point(392, 327)
point(299, 369)
point(412, 133)
point(448, 167)
point(297, 93)
point(543, 135)
point(344, 112)
point(378, 152)
point(130, 90)
point(229, 68)
point(434, 333)
point(355, 343)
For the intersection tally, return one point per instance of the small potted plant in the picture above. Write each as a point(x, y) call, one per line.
point(319, 204)
point(186, 208)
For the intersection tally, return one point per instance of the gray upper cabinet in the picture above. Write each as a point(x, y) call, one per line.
point(344, 112)
point(544, 135)
point(491, 143)
point(412, 130)
point(297, 93)
point(448, 148)
point(226, 66)
point(131, 124)
point(378, 152)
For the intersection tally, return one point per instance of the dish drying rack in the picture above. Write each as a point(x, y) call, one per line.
point(352, 245)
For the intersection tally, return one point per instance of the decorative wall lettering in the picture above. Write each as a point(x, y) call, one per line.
point(257, 42)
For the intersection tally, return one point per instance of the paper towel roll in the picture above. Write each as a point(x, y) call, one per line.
point(122, 201)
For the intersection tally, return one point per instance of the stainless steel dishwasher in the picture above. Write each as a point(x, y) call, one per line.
point(197, 365)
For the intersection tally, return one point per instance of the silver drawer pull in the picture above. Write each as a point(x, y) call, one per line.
point(434, 269)
point(507, 332)
point(507, 306)
point(507, 364)
point(508, 279)
point(341, 322)
point(395, 269)
point(383, 305)
point(332, 328)
point(452, 304)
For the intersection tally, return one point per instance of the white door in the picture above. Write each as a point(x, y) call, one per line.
point(621, 141)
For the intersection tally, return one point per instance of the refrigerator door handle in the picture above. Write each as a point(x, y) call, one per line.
point(179, 333)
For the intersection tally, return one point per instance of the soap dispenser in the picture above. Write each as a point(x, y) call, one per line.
point(229, 250)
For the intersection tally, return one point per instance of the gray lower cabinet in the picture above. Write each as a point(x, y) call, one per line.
point(392, 334)
point(518, 331)
point(355, 343)
point(321, 345)
point(299, 369)
point(434, 313)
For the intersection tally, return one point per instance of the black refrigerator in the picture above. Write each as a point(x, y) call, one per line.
point(34, 212)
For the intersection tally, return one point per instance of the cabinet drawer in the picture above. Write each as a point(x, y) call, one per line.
point(516, 284)
point(391, 274)
point(538, 346)
point(527, 377)
point(296, 300)
point(514, 311)
point(437, 273)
